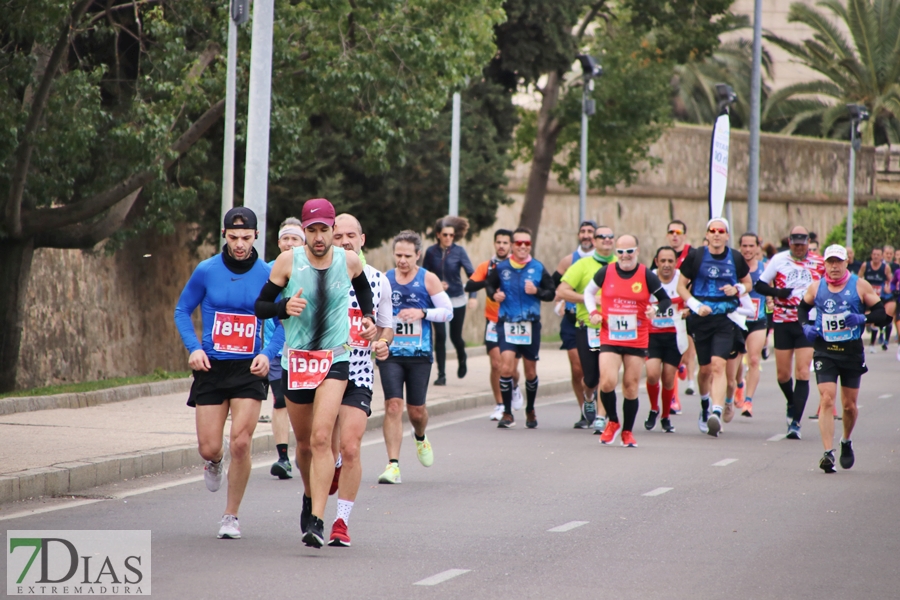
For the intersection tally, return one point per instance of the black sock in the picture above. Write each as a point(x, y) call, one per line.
point(609, 403)
point(630, 410)
point(506, 394)
point(801, 394)
point(531, 388)
point(282, 451)
point(704, 404)
point(396, 461)
point(419, 439)
point(787, 388)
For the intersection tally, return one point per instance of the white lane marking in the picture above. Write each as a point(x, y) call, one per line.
point(777, 438)
point(568, 526)
point(39, 511)
point(658, 491)
point(883, 396)
point(725, 462)
point(442, 577)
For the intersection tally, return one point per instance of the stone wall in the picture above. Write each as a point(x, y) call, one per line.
point(91, 316)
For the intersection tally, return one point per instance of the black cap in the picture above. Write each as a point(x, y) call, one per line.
point(243, 214)
point(588, 222)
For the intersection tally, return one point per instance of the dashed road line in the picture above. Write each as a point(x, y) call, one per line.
point(442, 577)
point(568, 526)
point(658, 491)
point(777, 438)
point(883, 396)
point(724, 462)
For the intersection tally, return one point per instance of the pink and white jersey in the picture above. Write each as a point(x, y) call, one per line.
point(784, 271)
point(665, 322)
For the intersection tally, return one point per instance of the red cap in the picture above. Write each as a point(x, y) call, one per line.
point(317, 210)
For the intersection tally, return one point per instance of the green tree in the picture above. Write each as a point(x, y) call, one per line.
point(862, 70)
point(874, 225)
point(105, 106)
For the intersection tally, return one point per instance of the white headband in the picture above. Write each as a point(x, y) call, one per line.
point(721, 220)
point(293, 230)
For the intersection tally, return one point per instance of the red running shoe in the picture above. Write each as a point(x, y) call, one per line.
point(628, 440)
point(339, 535)
point(610, 433)
point(675, 407)
point(739, 397)
point(682, 372)
point(747, 410)
point(335, 480)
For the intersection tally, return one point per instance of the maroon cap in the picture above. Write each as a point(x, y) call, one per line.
point(317, 210)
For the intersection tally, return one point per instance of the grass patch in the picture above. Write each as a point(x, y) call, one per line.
point(90, 386)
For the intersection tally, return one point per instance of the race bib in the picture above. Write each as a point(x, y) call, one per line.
point(407, 333)
point(518, 333)
point(307, 368)
point(760, 309)
point(622, 328)
point(834, 328)
point(664, 320)
point(234, 333)
point(593, 337)
point(356, 328)
point(490, 334)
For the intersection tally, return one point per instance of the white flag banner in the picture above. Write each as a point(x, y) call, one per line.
point(718, 166)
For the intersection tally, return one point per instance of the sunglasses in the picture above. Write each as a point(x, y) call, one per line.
point(799, 238)
point(448, 235)
point(629, 251)
point(676, 232)
point(522, 243)
point(604, 236)
point(719, 230)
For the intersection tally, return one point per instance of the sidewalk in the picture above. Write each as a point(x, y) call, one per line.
point(65, 450)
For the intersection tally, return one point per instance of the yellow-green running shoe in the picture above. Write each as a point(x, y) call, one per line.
point(391, 474)
point(423, 451)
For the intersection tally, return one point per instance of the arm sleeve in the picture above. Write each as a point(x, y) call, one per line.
point(442, 311)
point(662, 297)
point(803, 312)
point(477, 280)
point(742, 269)
point(765, 289)
point(590, 296)
point(384, 316)
point(363, 293)
point(191, 297)
point(546, 289)
point(492, 283)
point(557, 277)
point(276, 344)
point(266, 306)
point(600, 276)
point(878, 316)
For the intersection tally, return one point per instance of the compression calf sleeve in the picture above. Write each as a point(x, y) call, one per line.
point(667, 396)
point(609, 404)
point(787, 388)
point(531, 388)
point(653, 393)
point(506, 385)
point(630, 411)
point(801, 394)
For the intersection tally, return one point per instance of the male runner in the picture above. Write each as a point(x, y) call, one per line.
point(290, 234)
point(878, 273)
point(791, 271)
point(567, 326)
point(756, 326)
point(837, 337)
point(356, 405)
point(502, 246)
point(676, 235)
point(625, 315)
point(418, 300)
point(229, 369)
point(571, 289)
point(315, 280)
point(519, 284)
point(668, 340)
point(717, 277)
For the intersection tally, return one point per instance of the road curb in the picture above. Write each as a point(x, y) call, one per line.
point(68, 478)
point(10, 406)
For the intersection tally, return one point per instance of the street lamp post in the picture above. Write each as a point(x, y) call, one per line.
point(858, 114)
point(590, 69)
point(755, 101)
point(239, 14)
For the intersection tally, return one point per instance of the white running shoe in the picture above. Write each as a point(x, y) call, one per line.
point(517, 401)
point(230, 529)
point(497, 414)
point(690, 388)
point(214, 473)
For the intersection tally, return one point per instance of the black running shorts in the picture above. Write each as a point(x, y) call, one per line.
point(413, 373)
point(664, 346)
point(339, 371)
point(713, 336)
point(789, 336)
point(849, 368)
point(358, 397)
point(226, 379)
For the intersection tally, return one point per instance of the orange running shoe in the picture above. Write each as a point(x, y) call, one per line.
point(739, 397)
point(610, 433)
point(628, 440)
point(747, 410)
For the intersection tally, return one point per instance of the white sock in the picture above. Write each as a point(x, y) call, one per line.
point(717, 409)
point(340, 461)
point(343, 510)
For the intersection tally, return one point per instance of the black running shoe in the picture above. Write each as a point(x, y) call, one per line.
point(441, 380)
point(650, 423)
point(667, 426)
point(826, 463)
point(582, 424)
point(315, 535)
point(281, 469)
point(506, 422)
point(461, 370)
point(765, 353)
point(847, 458)
point(305, 513)
point(530, 420)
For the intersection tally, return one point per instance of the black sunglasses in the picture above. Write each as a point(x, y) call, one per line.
point(604, 236)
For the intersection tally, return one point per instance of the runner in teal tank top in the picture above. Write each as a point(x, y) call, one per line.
point(315, 284)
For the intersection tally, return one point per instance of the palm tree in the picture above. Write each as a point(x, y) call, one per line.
point(695, 99)
point(863, 70)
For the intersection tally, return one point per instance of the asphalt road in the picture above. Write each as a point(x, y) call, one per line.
point(747, 515)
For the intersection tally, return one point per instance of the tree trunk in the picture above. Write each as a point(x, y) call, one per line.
point(548, 128)
point(15, 271)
